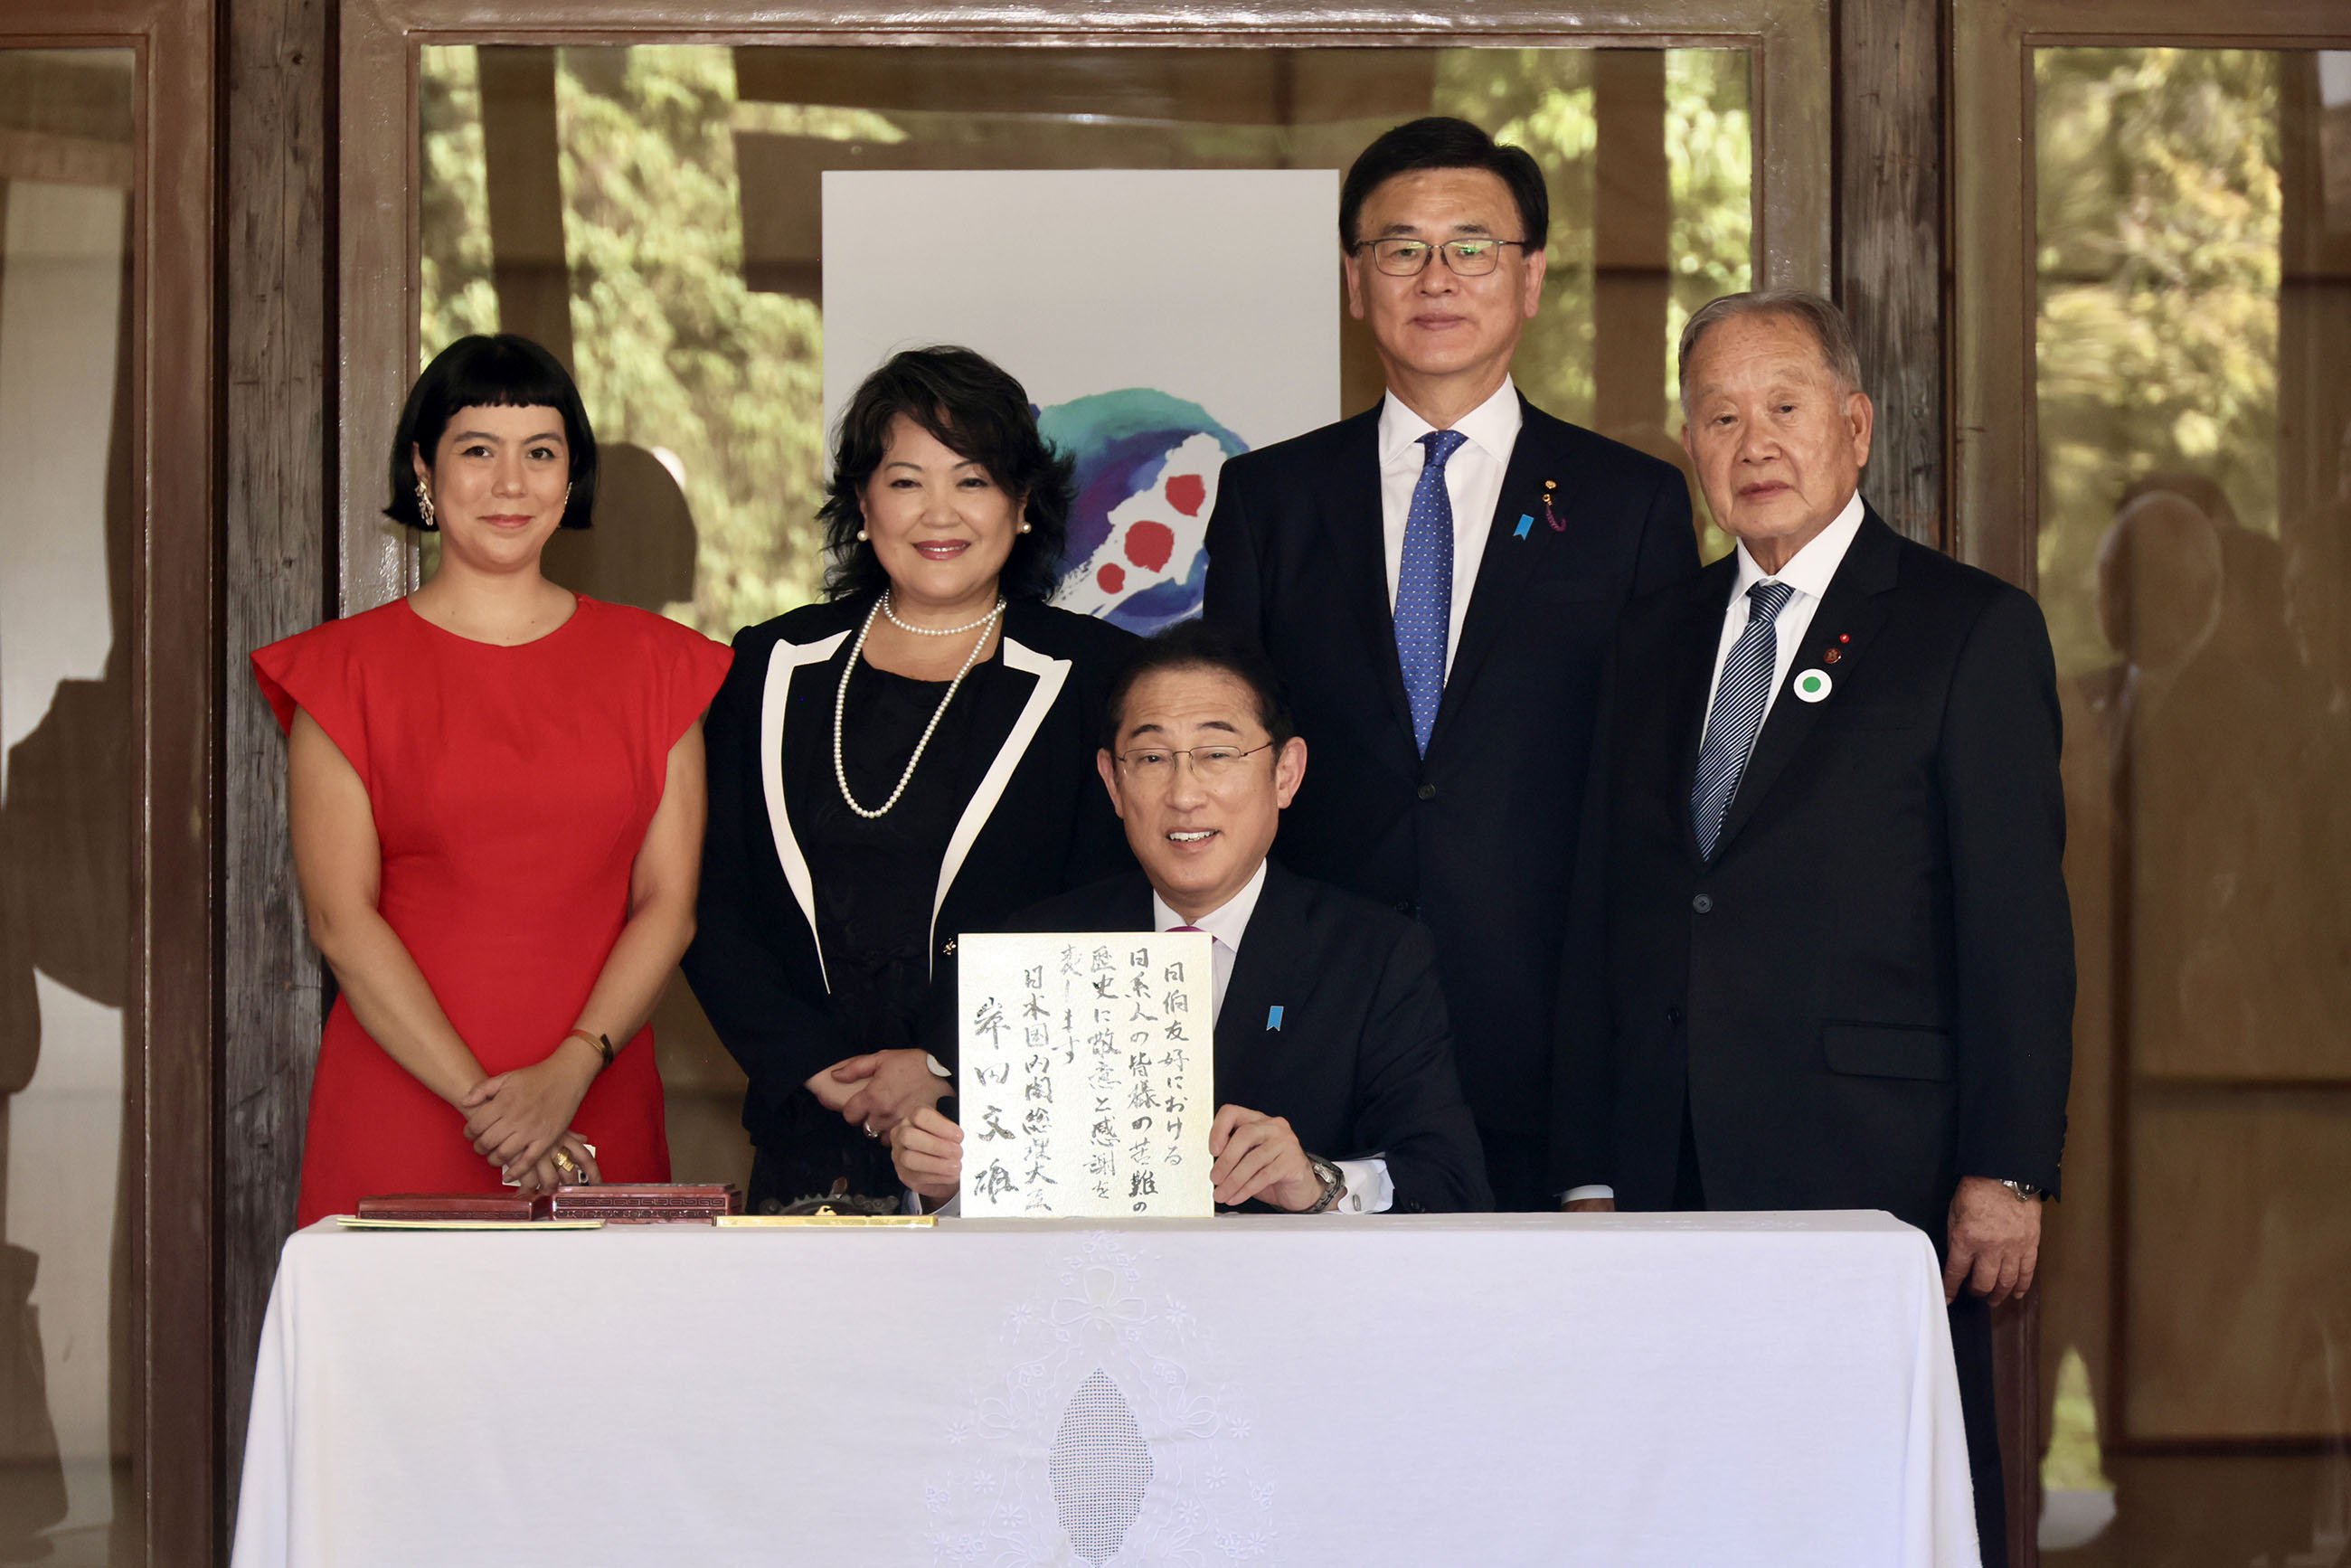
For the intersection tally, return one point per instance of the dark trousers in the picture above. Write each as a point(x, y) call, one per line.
point(1970, 1348)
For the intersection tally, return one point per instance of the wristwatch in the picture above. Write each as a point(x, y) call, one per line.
point(2025, 1191)
point(1335, 1184)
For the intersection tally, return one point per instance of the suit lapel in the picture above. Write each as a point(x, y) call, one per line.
point(1050, 673)
point(1503, 571)
point(1854, 607)
point(1265, 976)
point(1354, 524)
point(784, 661)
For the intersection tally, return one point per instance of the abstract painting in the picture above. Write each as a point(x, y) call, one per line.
point(1161, 320)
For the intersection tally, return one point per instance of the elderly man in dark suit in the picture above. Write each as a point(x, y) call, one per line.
point(1437, 580)
point(1823, 957)
point(1333, 1062)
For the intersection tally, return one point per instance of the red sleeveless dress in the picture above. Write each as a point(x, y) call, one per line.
point(512, 788)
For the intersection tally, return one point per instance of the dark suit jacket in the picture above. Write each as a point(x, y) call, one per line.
point(1868, 993)
point(1038, 822)
point(1476, 838)
point(1361, 1064)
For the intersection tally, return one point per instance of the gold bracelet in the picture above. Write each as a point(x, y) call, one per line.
point(603, 1046)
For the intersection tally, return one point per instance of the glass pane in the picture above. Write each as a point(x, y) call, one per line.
point(67, 525)
point(2194, 259)
point(653, 215)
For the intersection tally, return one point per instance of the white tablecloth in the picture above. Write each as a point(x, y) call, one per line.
point(1604, 1390)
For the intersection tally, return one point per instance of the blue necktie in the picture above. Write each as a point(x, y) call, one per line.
point(1740, 699)
point(1424, 605)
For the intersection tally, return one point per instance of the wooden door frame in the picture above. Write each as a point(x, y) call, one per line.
point(1995, 455)
point(1788, 41)
point(172, 1010)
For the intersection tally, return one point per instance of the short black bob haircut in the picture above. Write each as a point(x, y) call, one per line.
point(1198, 646)
point(482, 371)
point(978, 410)
point(1440, 141)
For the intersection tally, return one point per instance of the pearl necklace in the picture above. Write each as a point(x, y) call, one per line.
point(985, 625)
point(938, 631)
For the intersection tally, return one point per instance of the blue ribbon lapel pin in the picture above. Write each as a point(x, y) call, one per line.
point(1526, 524)
point(1273, 1017)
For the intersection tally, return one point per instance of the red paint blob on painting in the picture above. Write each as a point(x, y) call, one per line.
point(1113, 577)
point(1149, 545)
point(1186, 492)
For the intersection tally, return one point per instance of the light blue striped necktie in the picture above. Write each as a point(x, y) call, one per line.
point(1423, 604)
point(1740, 699)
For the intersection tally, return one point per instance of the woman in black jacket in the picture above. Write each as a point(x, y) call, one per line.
point(911, 759)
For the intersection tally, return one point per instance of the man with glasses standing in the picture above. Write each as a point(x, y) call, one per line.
point(1437, 580)
point(1334, 1072)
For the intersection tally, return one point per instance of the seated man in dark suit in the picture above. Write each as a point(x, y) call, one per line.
point(1334, 1062)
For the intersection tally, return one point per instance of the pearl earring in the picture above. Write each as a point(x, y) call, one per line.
point(425, 504)
point(861, 535)
point(1024, 527)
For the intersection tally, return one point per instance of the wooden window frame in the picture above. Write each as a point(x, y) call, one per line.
point(1995, 474)
point(1996, 469)
point(1789, 44)
point(173, 1011)
point(339, 146)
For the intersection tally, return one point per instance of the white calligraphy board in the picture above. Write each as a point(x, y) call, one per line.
point(1084, 1068)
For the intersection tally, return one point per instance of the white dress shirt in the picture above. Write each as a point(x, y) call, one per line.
point(1808, 572)
point(1473, 481)
point(1370, 1189)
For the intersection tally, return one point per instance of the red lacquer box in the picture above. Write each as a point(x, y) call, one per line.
point(647, 1203)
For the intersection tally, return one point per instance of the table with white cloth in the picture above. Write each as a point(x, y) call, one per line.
point(1572, 1389)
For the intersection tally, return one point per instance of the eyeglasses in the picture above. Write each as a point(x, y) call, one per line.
point(1409, 257)
point(1156, 764)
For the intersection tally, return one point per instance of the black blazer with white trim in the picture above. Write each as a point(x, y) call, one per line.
point(1038, 825)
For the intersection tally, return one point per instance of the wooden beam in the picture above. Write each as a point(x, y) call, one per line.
point(523, 164)
point(1633, 221)
point(277, 240)
point(1889, 245)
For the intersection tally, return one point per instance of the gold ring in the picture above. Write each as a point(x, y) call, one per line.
point(567, 1164)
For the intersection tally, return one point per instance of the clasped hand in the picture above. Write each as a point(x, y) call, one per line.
point(879, 1090)
point(515, 1118)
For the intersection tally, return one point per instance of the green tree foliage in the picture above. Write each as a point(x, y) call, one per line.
point(2157, 228)
point(1710, 153)
point(453, 204)
point(672, 349)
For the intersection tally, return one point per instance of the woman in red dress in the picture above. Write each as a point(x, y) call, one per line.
point(496, 796)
